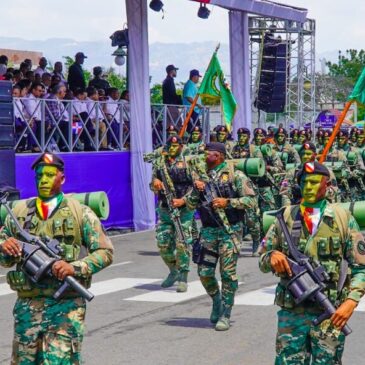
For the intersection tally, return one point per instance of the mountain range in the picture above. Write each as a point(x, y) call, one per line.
point(185, 56)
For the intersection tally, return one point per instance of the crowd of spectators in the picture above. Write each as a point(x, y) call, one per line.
point(87, 110)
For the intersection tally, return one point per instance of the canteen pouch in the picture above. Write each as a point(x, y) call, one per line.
point(18, 281)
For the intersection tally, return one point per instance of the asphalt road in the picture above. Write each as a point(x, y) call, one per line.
point(132, 321)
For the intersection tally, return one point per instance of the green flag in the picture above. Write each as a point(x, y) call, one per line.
point(214, 86)
point(358, 93)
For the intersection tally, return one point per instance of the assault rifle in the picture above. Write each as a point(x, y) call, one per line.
point(38, 257)
point(308, 281)
point(210, 193)
point(169, 193)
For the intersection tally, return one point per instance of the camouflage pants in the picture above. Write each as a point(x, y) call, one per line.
point(175, 254)
point(219, 241)
point(299, 342)
point(47, 332)
point(252, 219)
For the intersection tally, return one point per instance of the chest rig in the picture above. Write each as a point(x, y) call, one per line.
point(241, 151)
point(223, 188)
point(179, 176)
point(325, 247)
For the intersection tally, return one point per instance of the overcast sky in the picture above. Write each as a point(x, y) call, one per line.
point(340, 24)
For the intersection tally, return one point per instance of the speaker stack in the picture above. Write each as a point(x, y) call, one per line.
point(271, 96)
point(7, 138)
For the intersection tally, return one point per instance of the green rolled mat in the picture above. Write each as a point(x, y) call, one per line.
point(351, 158)
point(254, 167)
point(358, 211)
point(266, 150)
point(290, 166)
point(284, 157)
point(97, 201)
point(297, 147)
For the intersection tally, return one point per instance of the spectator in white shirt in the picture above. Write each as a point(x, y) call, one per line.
point(112, 112)
point(57, 71)
point(41, 69)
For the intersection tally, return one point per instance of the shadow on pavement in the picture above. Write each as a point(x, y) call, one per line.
point(148, 253)
point(190, 322)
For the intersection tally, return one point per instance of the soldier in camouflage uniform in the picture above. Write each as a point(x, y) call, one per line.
point(222, 137)
point(329, 235)
point(290, 192)
point(267, 185)
point(302, 136)
point(282, 147)
point(47, 331)
point(221, 229)
point(353, 135)
point(174, 253)
point(243, 148)
point(196, 145)
point(294, 135)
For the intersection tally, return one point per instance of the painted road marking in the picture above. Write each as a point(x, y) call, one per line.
point(121, 264)
point(118, 284)
point(5, 290)
point(263, 296)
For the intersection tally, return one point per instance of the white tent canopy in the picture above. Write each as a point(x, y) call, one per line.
point(141, 131)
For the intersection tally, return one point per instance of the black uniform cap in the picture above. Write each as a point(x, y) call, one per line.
point(342, 134)
point(174, 139)
point(281, 131)
point(259, 131)
point(307, 146)
point(49, 159)
point(216, 146)
point(312, 168)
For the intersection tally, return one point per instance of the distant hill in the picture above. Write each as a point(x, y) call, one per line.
point(183, 55)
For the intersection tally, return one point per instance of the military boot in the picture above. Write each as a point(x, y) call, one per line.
point(171, 279)
point(223, 323)
point(255, 247)
point(182, 285)
point(216, 308)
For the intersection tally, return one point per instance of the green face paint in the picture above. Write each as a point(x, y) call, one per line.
point(325, 140)
point(360, 140)
point(174, 150)
point(295, 139)
point(243, 139)
point(307, 156)
point(259, 138)
point(280, 139)
point(313, 188)
point(222, 136)
point(49, 181)
point(301, 139)
point(195, 137)
point(342, 141)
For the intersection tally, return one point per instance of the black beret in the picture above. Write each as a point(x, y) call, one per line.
point(171, 128)
point(222, 128)
point(259, 131)
point(197, 129)
point(342, 134)
point(307, 146)
point(216, 146)
point(174, 139)
point(243, 131)
point(49, 159)
point(280, 130)
point(294, 132)
point(312, 168)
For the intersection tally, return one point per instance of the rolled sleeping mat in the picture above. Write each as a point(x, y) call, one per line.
point(357, 209)
point(254, 167)
point(266, 150)
point(290, 166)
point(351, 158)
point(97, 201)
point(284, 157)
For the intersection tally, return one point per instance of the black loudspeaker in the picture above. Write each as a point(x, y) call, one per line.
point(271, 95)
point(7, 138)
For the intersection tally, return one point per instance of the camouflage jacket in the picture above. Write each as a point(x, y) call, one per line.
point(194, 148)
point(293, 155)
point(246, 151)
point(337, 237)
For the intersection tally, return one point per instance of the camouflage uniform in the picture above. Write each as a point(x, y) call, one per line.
point(48, 331)
point(293, 156)
point(337, 237)
point(194, 148)
point(174, 253)
point(246, 151)
point(223, 239)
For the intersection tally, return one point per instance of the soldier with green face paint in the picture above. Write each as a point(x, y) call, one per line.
point(174, 253)
point(196, 145)
point(221, 218)
point(222, 137)
point(294, 135)
point(290, 191)
point(353, 135)
point(268, 190)
point(330, 236)
point(47, 331)
point(302, 136)
point(243, 148)
point(282, 146)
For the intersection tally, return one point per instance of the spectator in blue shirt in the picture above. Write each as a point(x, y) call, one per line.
point(189, 93)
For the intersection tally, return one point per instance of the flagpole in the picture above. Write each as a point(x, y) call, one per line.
point(335, 131)
point(193, 104)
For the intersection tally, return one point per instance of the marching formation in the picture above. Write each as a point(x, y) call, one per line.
point(229, 186)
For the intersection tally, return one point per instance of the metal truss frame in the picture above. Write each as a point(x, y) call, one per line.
point(300, 96)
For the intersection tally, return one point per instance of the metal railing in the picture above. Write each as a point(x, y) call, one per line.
point(73, 125)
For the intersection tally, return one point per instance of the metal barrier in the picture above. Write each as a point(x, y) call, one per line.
point(74, 125)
